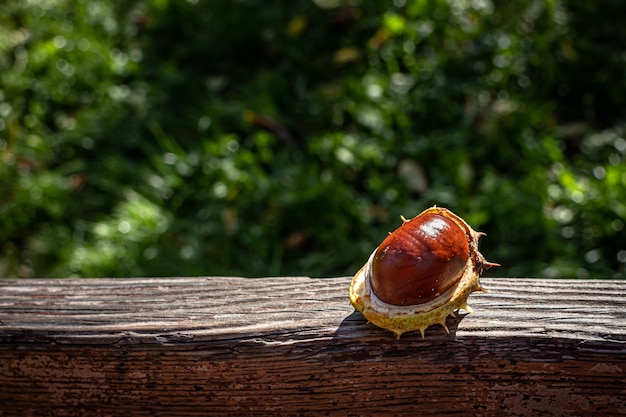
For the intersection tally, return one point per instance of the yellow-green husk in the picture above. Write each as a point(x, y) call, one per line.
point(402, 319)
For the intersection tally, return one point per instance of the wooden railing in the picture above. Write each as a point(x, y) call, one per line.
point(295, 346)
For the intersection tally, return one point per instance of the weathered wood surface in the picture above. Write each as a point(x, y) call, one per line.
point(294, 346)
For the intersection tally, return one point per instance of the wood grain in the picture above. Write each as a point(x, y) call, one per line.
point(294, 346)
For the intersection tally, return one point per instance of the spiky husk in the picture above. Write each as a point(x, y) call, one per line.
point(402, 319)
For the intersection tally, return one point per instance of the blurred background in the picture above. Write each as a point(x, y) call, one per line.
point(260, 137)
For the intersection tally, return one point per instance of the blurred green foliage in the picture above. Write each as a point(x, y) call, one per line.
point(255, 138)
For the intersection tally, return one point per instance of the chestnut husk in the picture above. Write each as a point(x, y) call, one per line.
point(420, 274)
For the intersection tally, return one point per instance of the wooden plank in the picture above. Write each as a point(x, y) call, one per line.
point(294, 346)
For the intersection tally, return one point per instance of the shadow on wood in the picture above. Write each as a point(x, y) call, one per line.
point(356, 323)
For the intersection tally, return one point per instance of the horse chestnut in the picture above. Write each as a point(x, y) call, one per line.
point(420, 274)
